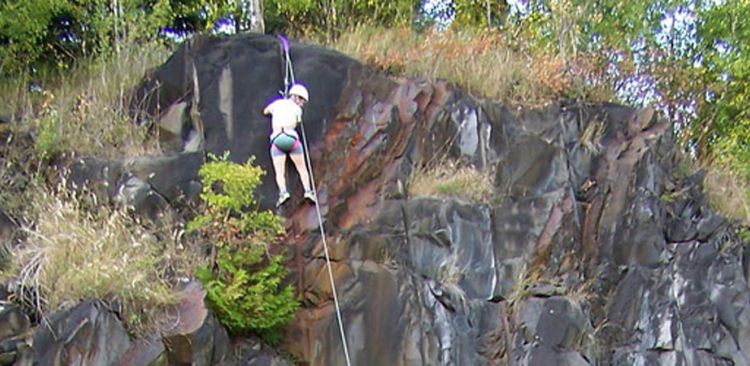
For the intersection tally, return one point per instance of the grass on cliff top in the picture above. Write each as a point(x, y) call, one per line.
point(450, 180)
point(75, 250)
point(481, 62)
point(84, 109)
point(727, 193)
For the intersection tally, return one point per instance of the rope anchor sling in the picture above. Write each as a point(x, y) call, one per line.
point(289, 80)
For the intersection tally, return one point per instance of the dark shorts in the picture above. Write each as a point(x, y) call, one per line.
point(285, 143)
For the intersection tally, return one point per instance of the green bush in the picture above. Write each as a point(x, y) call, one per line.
point(243, 285)
point(230, 204)
point(247, 294)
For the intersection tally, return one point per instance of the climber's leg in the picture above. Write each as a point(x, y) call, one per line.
point(278, 158)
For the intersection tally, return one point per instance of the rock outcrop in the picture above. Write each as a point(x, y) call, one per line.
point(577, 260)
point(92, 333)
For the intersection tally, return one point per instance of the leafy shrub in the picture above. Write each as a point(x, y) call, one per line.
point(247, 293)
point(244, 286)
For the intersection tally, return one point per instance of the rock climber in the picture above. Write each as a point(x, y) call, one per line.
point(286, 114)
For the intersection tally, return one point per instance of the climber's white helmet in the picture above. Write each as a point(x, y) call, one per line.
point(300, 91)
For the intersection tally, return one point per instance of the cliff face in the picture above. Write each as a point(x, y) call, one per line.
point(578, 260)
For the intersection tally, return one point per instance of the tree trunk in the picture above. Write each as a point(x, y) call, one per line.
point(116, 32)
point(239, 16)
point(489, 13)
point(257, 24)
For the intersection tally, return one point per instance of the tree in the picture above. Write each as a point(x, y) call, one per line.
point(58, 32)
point(722, 74)
point(24, 25)
point(644, 49)
point(196, 16)
point(244, 285)
point(689, 58)
point(480, 13)
point(330, 17)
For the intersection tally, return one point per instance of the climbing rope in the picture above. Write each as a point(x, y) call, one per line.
point(286, 61)
point(289, 72)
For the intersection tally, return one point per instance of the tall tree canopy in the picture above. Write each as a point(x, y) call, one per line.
point(722, 78)
point(59, 31)
point(691, 58)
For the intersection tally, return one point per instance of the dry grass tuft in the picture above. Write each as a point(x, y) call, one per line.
point(479, 62)
point(591, 137)
point(728, 193)
point(449, 180)
point(73, 252)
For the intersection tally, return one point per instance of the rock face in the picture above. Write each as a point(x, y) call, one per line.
point(88, 334)
point(14, 327)
point(579, 258)
point(92, 333)
point(192, 336)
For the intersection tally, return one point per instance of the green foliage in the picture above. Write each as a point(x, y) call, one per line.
point(244, 286)
point(23, 28)
point(724, 79)
point(733, 150)
point(569, 25)
point(200, 15)
point(237, 184)
point(87, 110)
point(58, 32)
point(479, 13)
point(228, 193)
point(248, 296)
point(334, 16)
point(689, 59)
point(644, 50)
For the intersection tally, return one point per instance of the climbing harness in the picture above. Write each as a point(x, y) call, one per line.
point(285, 142)
point(289, 74)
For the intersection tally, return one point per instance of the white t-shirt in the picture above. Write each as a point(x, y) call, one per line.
point(284, 114)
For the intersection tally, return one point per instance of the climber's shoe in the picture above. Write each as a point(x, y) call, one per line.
point(310, 196)
point(283, 197)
